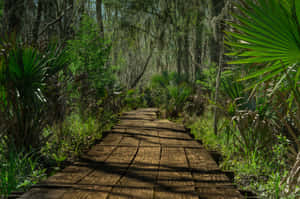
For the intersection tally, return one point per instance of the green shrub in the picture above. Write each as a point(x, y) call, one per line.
point(1, 8)
point(207, 80)
point(24, 76)
point(89, 55)
point(71, 138)
point(177, 96)
point(255, 170)
point(170, 92)
point(131, 99)
point(18, 172)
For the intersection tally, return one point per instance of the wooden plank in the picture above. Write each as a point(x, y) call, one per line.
point(43, 193)
point(69, 175)
point(218, 193)
point(104, 177)
point(140, 180)
point(210, 182)
point(144, 170)
point(166, 124)
point(174, 179)
point(113, 138)
point(87, 192)
point(132, 123)
point(130, 193)
point(149, 124)
point(98, 153)
point(109, 172)
point(179, 139)
point(173, 157)
point(200, 159)
point(155, 110)
point(177, 193)
point(138, 116)
point(149, 138)
point(132, 140)
point(141, 159)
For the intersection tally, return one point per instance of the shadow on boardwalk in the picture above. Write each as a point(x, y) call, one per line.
point(141, 158)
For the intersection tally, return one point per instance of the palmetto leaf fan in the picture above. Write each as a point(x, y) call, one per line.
point(268, 32)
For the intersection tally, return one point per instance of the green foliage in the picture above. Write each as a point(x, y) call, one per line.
point(254, 170)
point(170, 91)
point(253, 136)
point(24, 73)
point(249, 116)
point(266, 40)
point(268, 34)
point(89, 55)
point(1, 8)
point(74, 136)
point(18, 171)
point(202, 130)
point(207, 80)
point(134, 99)
point(177, 96)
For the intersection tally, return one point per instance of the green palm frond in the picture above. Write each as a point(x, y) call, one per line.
point(267, 32)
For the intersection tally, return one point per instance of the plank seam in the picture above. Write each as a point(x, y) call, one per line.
point(125, 172)
point(158, 169)
point(110, 154)
point(191, 171)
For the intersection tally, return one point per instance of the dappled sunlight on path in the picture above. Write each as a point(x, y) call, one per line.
point(142, 158)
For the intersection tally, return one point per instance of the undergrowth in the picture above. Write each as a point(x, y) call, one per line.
point(254, 171)
point(68, 140)
point(18, 171)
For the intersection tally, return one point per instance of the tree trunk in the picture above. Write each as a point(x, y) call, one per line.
point(99, 16)
point(136, 81)
point(179, 54)
point(37, 21)
point(218, 6)
point(218, 82)
point(13, 14)
point(186, 49)
point(198, 46)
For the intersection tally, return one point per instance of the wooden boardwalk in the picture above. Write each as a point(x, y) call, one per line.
point(141, 158)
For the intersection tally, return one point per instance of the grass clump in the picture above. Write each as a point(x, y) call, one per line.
point(255, 170)
point(74, 136)
point(19, 171)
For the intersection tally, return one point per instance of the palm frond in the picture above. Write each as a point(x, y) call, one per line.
point(267, 33)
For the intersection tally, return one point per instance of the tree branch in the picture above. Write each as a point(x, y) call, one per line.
point(133, 85)
point(54, 21)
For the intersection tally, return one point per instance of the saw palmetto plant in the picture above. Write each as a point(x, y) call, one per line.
point(267, 32)
point(267, 38)
point(24, 74)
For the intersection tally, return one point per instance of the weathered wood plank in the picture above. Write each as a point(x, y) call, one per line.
point(140, 178)
point(141, 158)
point(43, 193)
point(179, 139)
point(87, 192)
point(174, 179)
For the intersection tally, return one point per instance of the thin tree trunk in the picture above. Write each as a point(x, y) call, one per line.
point(198, 47)
point(218, 82)
point(13, 14)
point(179, 54)
point(136, 81)
point(186, 50)
point(37, 21)
point(99, 16)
